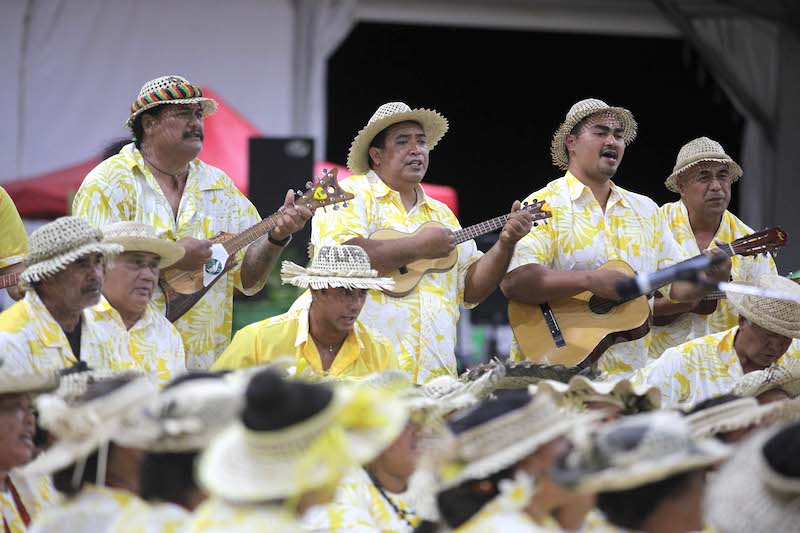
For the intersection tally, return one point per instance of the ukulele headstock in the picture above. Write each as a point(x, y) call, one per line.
point(326, 191)
point(764, 241)
point(539, 209)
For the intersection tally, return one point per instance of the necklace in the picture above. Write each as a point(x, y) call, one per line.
point(402, 513)
point(173, 176)
point(333, 348)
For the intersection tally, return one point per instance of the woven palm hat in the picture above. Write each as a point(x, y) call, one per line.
point(55, 246)
point(523, 374)
point(433, 124)
point(77, 380)
point(82, 428)
point(748, 494)
point(697, 151)
point(737, 414)
point(580, 111)
point(169, 90)
point(243, 465)
point(778, 316)
point(621, 393)
point(340, 265)
point(138, 237)
point(27, 382)
point(637, 450)
point(758, 382)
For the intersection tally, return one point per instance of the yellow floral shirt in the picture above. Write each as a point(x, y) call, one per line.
point(35, 495)
point(701, 368)
point(32, 341)
point(505, 513)
point(13, 239)
point(91, 510)
point(153, 343)
point(359, 506)
point(692, 326)
point(122, 188)
point(581, 237)
point(150, 517)
point(364, 350)
point(422, 325)
point(218, 516)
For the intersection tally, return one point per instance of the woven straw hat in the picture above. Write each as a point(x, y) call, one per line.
point(74, 384)
point(758, 382)
point(82, 428)
point(138, 237)
point(738, 414)
point(637, 450)
point(353, 428)
point(578, 112)
point(28, 382)
point(622, 393)
point(54, 246)
point(339, 265)
point(523, 374)
point(433, 124)
point(169, 90)
point(696, 151)
point(778, 316)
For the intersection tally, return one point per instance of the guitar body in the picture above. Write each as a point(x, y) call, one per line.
point(189, 281)
point(705, 307)
point(587, 325)
point(408, 276)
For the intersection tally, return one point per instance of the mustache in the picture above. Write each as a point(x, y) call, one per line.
point(194, 133)
point(92, 287)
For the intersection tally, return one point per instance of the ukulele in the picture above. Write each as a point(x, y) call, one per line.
point(577, 330)
point(408, 276)
point(184, 288)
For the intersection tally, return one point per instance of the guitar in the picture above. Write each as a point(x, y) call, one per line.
point(408, 276)
point(576, 331)
point(8, 280)
point(764, 241)
point(183, 288)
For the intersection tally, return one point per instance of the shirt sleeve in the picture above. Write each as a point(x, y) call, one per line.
point(105, 196)
point(539, 245)
point(338, 226)
point(668, 375)
point(13, 239)
point(241, 352)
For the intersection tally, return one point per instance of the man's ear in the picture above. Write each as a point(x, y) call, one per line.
point(147, 122)
point(375, 155)
point(569, 141)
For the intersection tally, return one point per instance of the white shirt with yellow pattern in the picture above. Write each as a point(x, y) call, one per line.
point(580, 236)
point(150, 517)
point(218, 516)
point(359, 506)
point(32, 341)
point(122, 188)
point(34, 495)
point(422, 324)
point(91, 510)
point(154, 345)
point(700, 369)
point(692, 326)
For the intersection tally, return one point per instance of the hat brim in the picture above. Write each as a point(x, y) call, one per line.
point(29, 382)
point(734, 170)
point(209, 108)
point(433, 124)
point(305, 278)
point(725, 417)
point(169, 252)
point(621, 392)
point(558, 146)
point(44, 269)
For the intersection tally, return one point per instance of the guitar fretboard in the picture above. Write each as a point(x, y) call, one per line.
point(7, 280)
point(488, 226)
point(249, 235)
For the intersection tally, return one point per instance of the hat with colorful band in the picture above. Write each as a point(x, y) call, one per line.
point(169, 90)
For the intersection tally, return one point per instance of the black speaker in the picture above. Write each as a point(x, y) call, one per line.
point(277, 164)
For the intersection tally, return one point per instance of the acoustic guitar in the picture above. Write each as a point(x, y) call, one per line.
point(8, 280)
point(408, 276)
point(184, 288)
point(576, 331)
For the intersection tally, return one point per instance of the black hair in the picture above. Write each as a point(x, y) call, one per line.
point(379, 141)
point(488, 409)
point(191, 376)
point(780, 451)
point(167, 477)
point(459, 504)
point(114, 146)
point(138, 129)
point(272, 403)
point(713, 402)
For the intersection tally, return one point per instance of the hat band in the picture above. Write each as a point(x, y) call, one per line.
point(173, 92)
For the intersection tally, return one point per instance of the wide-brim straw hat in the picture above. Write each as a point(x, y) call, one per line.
point(83, 428)
point(169, 90)
point(699, 150)
point(242, 465)
point(739, 414)
point(578, 112)
point(758, 382)
point(138, 237)
point(74, 384)
point(778, 316)
point(637, 450)
point(27, 382)
point(55, 246)
point(622, 393)
point(341, 265)
point(433, 124)
point(523, 374)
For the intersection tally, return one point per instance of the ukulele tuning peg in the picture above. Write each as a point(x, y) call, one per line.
point(309, 185)
point(524, 204)
point(535, 224)
point(298, 192)
point(345, 204)
point(336, 208)
point(325, 171)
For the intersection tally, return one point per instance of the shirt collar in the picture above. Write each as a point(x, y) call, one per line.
point(198, 171)
point(38, 311)
point(725, 231)
point(577, 189)
point(726, 350)
point(351, 349)
point(380, 189)
point(104, 308)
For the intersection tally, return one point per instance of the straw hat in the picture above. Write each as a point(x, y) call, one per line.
point(778, 316)
point(748, 494)
point(637, 450)
point(522, 374)
point(339, 265)
point(83, 428)
point(169, 90)
point(28, 382)
point(54, 246)
point(433, 124)
point(758, 382)
point(76, 380)
point(578, 112)
point(138, 237)
point(582, 390)
point(696, 151)
point(737, 414)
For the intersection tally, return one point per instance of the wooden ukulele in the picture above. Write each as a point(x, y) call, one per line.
point(576, 331)
point(183, 288)
point(8, 280)
point(408, 276)
point(764, 241)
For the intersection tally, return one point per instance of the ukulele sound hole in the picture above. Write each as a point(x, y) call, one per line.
point(600, 306)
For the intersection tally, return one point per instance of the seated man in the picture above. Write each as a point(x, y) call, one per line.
point(50, 328)
point(131, 279)
point(326, 337)
point(714, 364)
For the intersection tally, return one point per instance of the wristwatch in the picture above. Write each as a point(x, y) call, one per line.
point(282, 243)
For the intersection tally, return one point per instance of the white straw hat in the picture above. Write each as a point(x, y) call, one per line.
point(778, 316)
point(55, 246)
point(696, 151)
point(738, 414)
point(169, 90)
point(138, 237)
point(622, 393)
point(433, 124)
point(758, 382)
point(341, 265)
point(27, 382)
point(75, 383)
point(578, 112)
